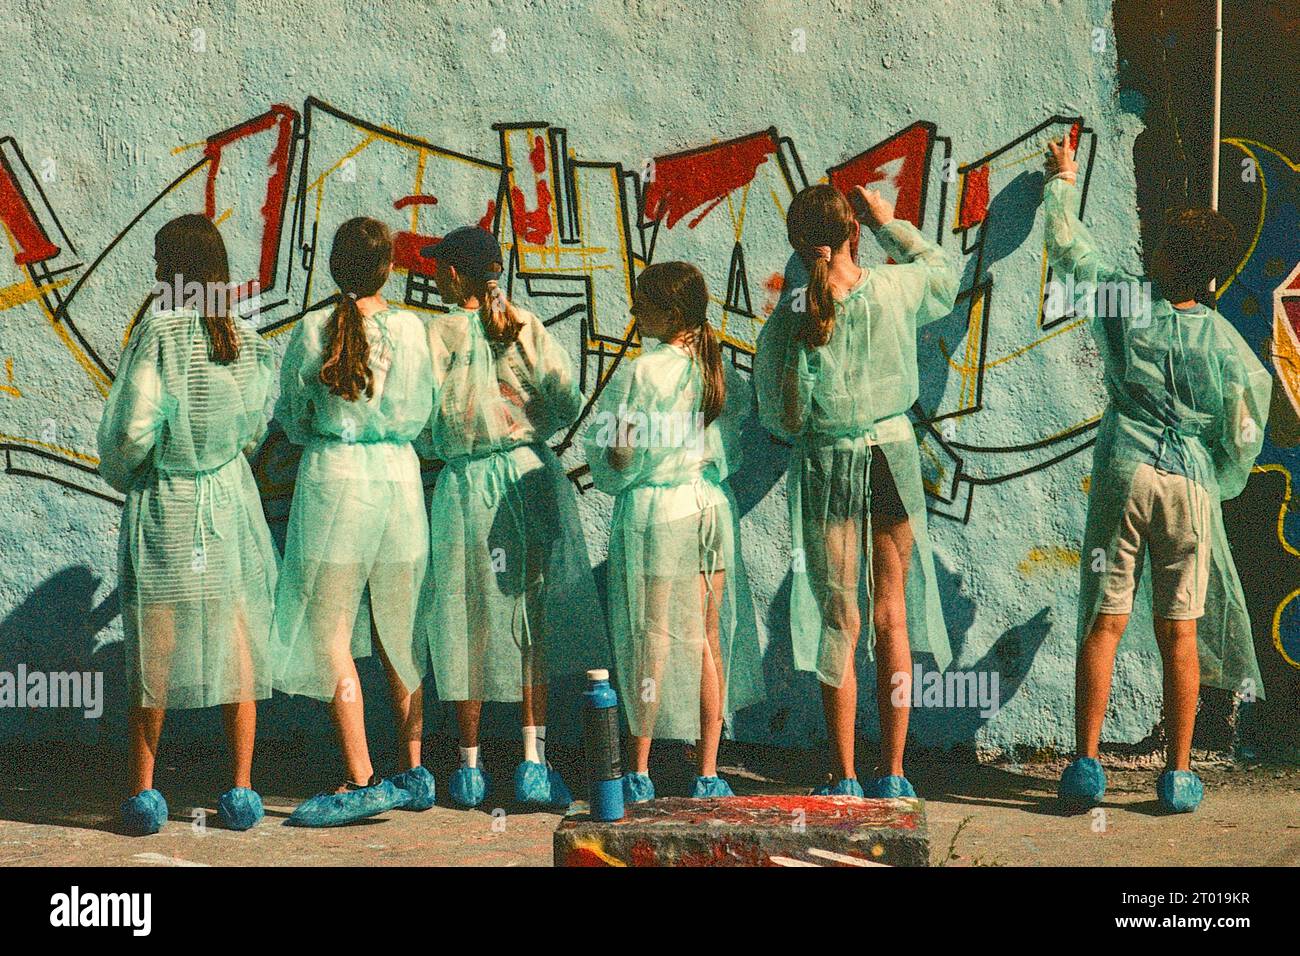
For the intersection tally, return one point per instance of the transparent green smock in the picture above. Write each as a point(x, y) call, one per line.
point(675, 524)
point(358, 520)
point(196, 564)
point(1185, 392)
point(513, 600)
point(840, 404)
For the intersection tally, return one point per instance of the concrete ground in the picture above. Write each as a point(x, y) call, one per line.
point(57, 809)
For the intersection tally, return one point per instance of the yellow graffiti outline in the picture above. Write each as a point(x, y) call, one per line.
point(1290, 549)
point(1245, 146)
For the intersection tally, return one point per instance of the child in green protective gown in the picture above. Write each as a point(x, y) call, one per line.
point(197, 567)
point(1184, 422)
point(836, 373)
point(513, 601)
point(356, 388)
point(664, 439)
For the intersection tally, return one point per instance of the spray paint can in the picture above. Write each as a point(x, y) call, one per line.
point(601, 743)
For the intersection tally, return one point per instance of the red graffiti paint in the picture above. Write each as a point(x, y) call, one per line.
point(974, 198)
point(406, 201)
point(903, 159)
point(489, 216)
point(407, 254)
point(1075, 131)
point(532, 226)
point(1292, 309)
point(16, 214)
point(284, 118)
point(537, 155)
point(683, 182)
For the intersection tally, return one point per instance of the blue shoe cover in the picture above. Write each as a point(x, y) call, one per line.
point(840, 788)
point(705, 787)
point(240, 808)
point(889, 788)
point(145, 813)
point(419, 783)
point(1180, 790)
point(468, 786)
point(539, 783)
point(638, 788)
point(1083, 783)
point(336, 809)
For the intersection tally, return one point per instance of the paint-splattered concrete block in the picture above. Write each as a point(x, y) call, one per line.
point(750, 831)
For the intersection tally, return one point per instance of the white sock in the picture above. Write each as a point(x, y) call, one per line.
point(469, 756)
point(535, 744)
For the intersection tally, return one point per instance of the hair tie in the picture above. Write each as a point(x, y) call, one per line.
point(822, 252)
point(352, 296)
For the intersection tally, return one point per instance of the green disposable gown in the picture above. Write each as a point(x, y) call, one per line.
point(513, 600)
point(358, 513)
point(197, 567)
point(675, 522)
point(1186, 394)
point(840, 404)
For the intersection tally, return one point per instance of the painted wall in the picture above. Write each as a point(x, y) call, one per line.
point(595, 137)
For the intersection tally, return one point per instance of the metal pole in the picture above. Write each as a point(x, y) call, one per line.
point(1218, 98)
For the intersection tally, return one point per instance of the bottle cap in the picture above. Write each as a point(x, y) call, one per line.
point(598, 674)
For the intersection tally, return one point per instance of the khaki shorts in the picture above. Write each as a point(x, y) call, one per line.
point(1167, 517)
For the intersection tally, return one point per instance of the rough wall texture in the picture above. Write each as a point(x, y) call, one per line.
point(596, 137)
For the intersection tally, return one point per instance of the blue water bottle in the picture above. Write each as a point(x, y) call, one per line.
point(600, 741)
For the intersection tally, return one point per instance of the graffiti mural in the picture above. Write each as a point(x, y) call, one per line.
point(1010, 392)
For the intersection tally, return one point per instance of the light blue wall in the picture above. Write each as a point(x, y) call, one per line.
point(107, 92)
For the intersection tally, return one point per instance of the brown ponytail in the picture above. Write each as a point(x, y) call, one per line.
point(679, 289)
point(359, 263)
point(501, 321)
point(189, 250)
point(819, 216)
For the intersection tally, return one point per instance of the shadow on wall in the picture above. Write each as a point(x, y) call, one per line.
point(58, 629)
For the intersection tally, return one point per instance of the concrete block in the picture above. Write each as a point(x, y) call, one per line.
point(784, 830)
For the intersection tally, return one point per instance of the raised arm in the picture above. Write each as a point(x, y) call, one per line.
point(136, 412)
point(1071, 250)
point(923, 275)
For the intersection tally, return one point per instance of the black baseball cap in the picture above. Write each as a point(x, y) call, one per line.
point(474, 252)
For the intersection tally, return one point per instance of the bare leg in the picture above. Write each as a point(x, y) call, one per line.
point(349, 712)
point(534, 705)
point(467, 717)
point(408, 710)
point(1092, 677)
point(650, 663)
point(1182, 684)
point(640, 747)
point(144, 726)
point(712, 679)
point(240, 720)
point(891, 552)
point(840, 704)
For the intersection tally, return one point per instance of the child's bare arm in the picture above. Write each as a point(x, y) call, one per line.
point(924, 276)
